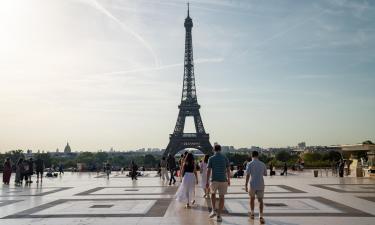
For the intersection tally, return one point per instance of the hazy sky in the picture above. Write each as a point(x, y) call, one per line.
point(108, 73)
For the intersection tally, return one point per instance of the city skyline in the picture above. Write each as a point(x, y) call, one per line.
point(104, 74)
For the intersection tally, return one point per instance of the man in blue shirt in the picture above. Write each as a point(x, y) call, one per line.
point(218, 165)
point(256, 169)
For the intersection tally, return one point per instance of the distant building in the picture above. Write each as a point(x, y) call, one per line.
point(67, 148)
point(302, 145)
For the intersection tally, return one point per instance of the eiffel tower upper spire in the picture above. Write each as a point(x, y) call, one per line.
point(188, 90)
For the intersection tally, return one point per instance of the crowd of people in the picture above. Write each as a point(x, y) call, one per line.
point(24, 168)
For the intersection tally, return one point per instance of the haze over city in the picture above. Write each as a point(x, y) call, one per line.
point(101, 73)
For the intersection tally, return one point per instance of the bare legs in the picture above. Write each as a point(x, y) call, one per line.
point(261, 205)
point(221, 203)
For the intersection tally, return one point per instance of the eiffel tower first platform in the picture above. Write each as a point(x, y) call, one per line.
point(189, 106)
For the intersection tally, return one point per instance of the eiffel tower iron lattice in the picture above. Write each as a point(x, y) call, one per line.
point(189, 106)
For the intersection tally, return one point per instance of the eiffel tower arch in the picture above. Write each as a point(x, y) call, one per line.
point(189, 106)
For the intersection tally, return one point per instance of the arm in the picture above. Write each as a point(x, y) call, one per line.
point(247, 182)
point(196, 175)
point(228, 175)
point(208, 177)
point(182, 170)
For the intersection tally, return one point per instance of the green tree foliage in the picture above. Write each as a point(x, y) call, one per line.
point(283, 156)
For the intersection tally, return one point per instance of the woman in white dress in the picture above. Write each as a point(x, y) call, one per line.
point(186, 191)
point(203, 171)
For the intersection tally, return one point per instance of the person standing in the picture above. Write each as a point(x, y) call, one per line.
point(256, 170)
point(203, 170)
point(39, 169)
point(163, 169)
point(107, 169)
point(171, 164)
point(218, 165)
point(19, 171)
point(186, 191)
point(30, 172)
point(7, 171)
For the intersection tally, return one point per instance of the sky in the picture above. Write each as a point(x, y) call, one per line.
point(108, 73)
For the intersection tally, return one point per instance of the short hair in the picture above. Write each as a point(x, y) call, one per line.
point(254, 154)
point(217, 148)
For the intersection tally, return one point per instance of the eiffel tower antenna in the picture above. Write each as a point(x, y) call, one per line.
point(189, 105)
point(188, 4)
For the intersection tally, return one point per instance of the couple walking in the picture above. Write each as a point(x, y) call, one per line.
point(218, 167)
point(219, 172)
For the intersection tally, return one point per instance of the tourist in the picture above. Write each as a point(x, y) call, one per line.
point(39, 169)
point(133, 170)
point(272, 172)
point(7, 171)
point(163, 169)
point(341, 168)
point(61, 168)
point(285, 171)
point(25, 172)
point(203, 171)
point(255, 171)
point(186, 191)
point(171, 164)
point(159, 170)
point(30, 170)
point(107, 169)
point(19, 171)
point(218, 165)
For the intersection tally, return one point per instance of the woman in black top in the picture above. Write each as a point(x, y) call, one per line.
point(186, 191)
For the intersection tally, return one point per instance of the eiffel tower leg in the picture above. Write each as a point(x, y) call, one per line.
point(198, 124)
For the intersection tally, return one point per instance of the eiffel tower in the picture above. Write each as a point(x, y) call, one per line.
point(189, 106)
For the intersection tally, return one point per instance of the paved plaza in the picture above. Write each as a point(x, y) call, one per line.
point(89, 198)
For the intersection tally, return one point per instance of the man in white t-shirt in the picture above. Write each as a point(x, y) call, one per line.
point(255, 170)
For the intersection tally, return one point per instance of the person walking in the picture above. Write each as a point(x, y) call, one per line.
point(171, 164)
point(7, 171)
point(39, 169)
point(285, 171)
point(107, 169)
point(186, 191)
point(203, 171)
point(218, 166)
point(61, 168)
point(133, 170)
point(163, 169)
point(255, 171)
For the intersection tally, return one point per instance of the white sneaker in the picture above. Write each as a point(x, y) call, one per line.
point(212, 214)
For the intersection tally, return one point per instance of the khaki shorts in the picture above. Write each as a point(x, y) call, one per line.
point(220, 187)
point(258, 193)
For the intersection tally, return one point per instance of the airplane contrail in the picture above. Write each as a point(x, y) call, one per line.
point(103, 10)
point(162, 67)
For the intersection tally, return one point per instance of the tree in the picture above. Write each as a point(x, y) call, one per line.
point(368, 142)
point(283, 156)
point(150, 161)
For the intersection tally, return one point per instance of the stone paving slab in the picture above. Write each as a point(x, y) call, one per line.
point(80, 198)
